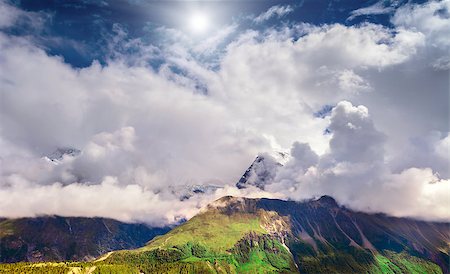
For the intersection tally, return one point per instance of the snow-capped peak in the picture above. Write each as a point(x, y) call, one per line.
point(184, 192)
point(58, 155)
point(263, 169)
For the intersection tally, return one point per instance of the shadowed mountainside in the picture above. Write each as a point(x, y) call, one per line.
point(55, 238)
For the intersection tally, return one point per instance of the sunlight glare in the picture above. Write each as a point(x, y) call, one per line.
point(198, 23)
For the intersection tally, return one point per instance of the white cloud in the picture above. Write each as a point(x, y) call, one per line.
point(368, 45)
point(431, 18)
point(277, 11)
point(354, 138)
point(430, 150)
point(145, 130)
point(212, 42)
point(107, 198)
point(11, 16)
point(352, 82)
point(375, 9)
point(442, 147)
point(8, 14)
point(354, 172)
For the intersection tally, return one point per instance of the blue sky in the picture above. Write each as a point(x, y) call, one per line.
point(162, 95)
point(85, 26)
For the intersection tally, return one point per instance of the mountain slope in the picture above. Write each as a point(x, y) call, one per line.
point(212, 242)
point(54, 238)
point(321, 231)
point(240, 235)
point(263, 235)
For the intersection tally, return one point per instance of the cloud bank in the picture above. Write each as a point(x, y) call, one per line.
point(354, 172)
point(203, 115)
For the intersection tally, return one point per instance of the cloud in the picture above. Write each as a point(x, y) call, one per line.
point(355, 173)
point(210, 44)
point(302, 156)
point(202, 115)
point(8, 14)
point(375, 9)
point(277, 11)
point(431, 18)
point(13, 17)
point(107, 198)
point(169, 123)
point(355, 138)
point(430, 150)
point(352, 82)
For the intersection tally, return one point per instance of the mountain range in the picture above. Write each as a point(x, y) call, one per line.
point(242, 235)
point(230, 235)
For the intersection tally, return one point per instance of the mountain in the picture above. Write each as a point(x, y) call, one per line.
point(262, 170)
point(185, 192)
point(240, 235)
point(58, 155)
point(55, 238)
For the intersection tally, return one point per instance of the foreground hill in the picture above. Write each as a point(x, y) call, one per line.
point(54, 238)
point(239, 235)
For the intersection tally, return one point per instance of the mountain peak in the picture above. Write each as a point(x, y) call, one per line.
point(185, 192)
point(58, 155)
point(263, 169)
point(230, 204)
point(327, 201)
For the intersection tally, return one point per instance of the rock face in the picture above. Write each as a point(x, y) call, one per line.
point(263, 170)
point(55, 238)
point(322, 227)
point(58, 155)
point(185, 192)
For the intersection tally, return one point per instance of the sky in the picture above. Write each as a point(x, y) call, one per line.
point(161, 95)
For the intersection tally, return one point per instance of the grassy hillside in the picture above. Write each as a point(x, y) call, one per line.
point(212, 242)
point(212, 229)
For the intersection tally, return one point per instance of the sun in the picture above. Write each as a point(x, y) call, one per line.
point(198, 23)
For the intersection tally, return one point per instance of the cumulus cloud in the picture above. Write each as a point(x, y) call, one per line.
point(354, 172)
point(430, 150)
point(169, 123)
point(431, 18)
point(355, 138)
point(143, 130)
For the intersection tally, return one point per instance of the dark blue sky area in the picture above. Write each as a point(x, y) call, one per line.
point(80, 30)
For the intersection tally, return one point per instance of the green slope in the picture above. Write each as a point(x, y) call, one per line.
point(391, 262)
point(213, 229)
point(212, 242)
